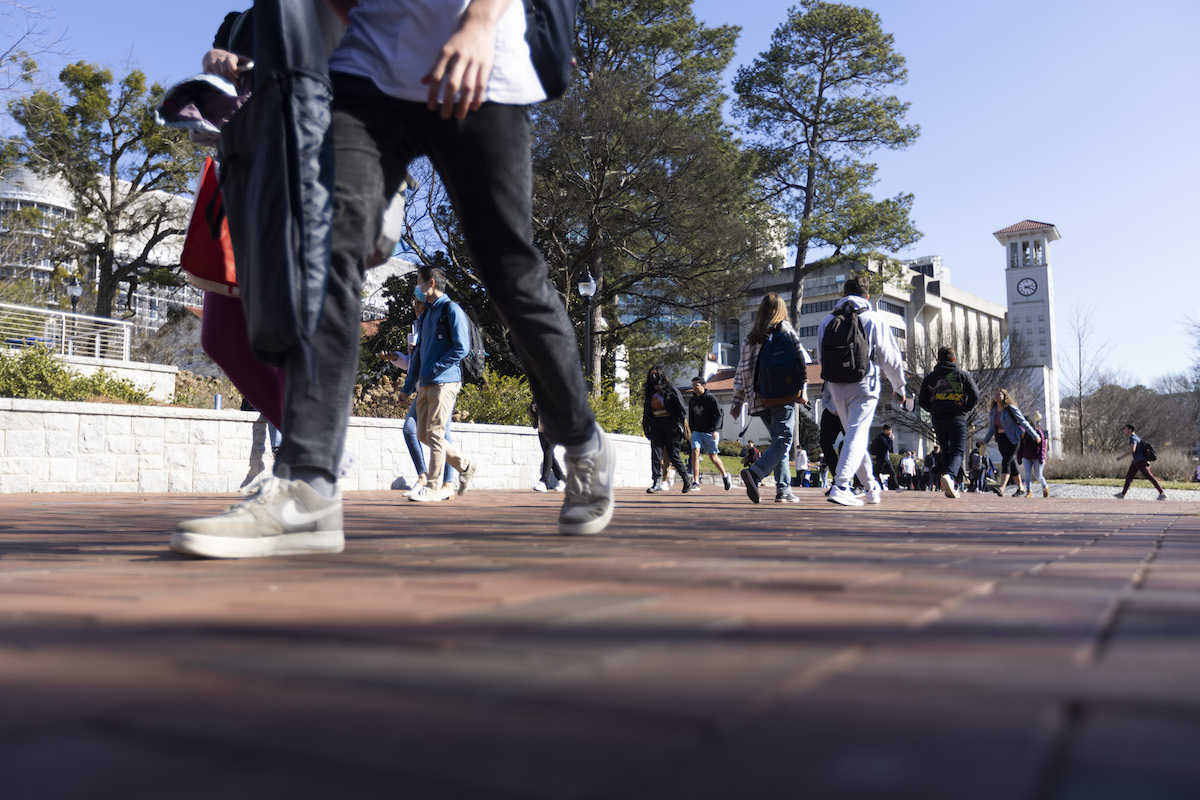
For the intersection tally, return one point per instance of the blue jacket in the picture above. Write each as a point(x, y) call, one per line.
point(443, 339)
point(1014, 423)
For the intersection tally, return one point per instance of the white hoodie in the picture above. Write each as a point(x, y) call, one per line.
point(885, 353)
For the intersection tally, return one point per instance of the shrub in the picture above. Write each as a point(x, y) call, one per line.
point(199, 391)
point(615, 415)
point(36, 373)
point(1170, 466)
point(502, 400)
point(381, 400)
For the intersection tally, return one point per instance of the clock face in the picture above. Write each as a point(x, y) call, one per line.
point(1027, 286)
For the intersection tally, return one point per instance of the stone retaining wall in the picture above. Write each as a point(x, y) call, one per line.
point(49, 446)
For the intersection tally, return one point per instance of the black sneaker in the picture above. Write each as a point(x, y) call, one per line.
point(750, 481)
point(728, 481)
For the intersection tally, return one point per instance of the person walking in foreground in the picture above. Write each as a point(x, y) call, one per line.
point(705, 418)
point(949, 393)
point(1006, 422)
point(454, 82)
point(1140, 452)
point(1032, 454)
point(663, 416)
point(778, 412)
point(856, 349)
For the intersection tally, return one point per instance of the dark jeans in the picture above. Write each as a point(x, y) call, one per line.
point(951, 434)
point(666, 438)
point(831, 428)
point(1144, 468)
point(484, 161)
point(1008, 457)
point(551, 472)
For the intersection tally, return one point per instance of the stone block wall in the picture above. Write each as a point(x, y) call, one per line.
point(49, 446)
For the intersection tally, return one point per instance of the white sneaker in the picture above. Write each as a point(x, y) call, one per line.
point(417, 487)
point(948, 486)
point(843, 497)
point(874, 495)
point(464, 477)
point(540, 486)
point(427, 495)
point(588, 501)
point(282, 517)
point(561, 486)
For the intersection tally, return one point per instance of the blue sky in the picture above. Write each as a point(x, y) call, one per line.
point(1081, 114)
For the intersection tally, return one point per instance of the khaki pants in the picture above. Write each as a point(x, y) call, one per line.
point(435, 403)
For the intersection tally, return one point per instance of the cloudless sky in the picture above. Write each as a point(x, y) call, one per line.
point(1079, 113)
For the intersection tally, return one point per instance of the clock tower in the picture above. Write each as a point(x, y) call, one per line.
point(1031, 333)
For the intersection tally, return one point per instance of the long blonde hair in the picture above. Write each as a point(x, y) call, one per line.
point(1007, 401)
point(771, 312)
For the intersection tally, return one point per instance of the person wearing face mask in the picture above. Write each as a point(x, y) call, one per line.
point(435, 375)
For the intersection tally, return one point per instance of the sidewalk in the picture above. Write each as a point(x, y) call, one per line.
point(703, 647)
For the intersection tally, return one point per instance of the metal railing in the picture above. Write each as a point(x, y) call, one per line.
point(63, 333)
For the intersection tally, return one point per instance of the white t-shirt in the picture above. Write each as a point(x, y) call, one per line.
point(395, 43)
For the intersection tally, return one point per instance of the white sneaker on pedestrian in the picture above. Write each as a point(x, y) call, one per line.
point(874, 495)
point(843, 497)
point(786, 498)
point(540, 486)
point(561, 486)
point(1162, 495)
point(465, 477)
point(588, 501)
point(427, 494)
point(282, 517)
point(948, 486)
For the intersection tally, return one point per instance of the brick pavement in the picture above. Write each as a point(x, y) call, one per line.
point(702, 648)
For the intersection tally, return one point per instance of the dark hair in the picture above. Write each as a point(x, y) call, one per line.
point(946, 354)
point(699, 379)
point(1131, 428)
point(856, 286)
point(437, 273)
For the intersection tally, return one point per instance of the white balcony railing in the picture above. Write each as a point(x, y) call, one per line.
point(63, 333)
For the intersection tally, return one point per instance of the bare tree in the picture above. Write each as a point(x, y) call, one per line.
point(1083, 362)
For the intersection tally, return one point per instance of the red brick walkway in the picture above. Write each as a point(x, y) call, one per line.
point(702, 648)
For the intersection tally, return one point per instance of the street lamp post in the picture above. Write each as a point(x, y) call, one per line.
point(587, 289)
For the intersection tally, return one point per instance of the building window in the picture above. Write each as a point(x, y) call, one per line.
point(1013, 258)
point(884, 305)
point(808, 330)
point(899, 333)
point(813, 308)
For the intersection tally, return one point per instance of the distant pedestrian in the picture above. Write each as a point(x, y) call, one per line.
point(552, 478)
point(705, 418)
point(663, 416)
point(979, 468)
point(1006, 422)
point(857, 348)
point(908, 470)
point(1032, 454)
point(780, 419)
point(949, 393)
point(881, 449)
point(1140, 463)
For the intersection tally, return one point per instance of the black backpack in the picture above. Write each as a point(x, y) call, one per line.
point(550, 32)
point(474, 362)
point(845, 349)
point(779, 372)
point(1148, 452)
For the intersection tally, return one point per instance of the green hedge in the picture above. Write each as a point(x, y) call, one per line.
point(37, 374)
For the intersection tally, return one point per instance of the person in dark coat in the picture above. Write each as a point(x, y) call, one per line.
point(882, 447)
point(663, 415)
point(705, 418)
point(949, 393)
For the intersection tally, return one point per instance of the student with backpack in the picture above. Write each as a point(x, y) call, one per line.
point(949, 393)
point(1142, 453)
point(771, 378)
point(857, 348)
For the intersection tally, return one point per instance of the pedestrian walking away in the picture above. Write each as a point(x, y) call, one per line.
point(1031, 454)
point(451, 81)
point(780, 417)
point(1139, 451)
point(857, 349)
point(1006, 422)
point(663, 418)
point(881, 449)
point(706, 419)
point(949, 394)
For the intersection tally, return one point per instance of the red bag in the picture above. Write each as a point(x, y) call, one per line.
point(207, 255)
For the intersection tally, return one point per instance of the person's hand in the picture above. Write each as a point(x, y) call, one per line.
point(221, 62)
point(458, 80)
point(404, 397)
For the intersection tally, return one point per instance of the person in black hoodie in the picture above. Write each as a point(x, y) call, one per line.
point(705, 418)
point(663, 415)
point(949, 393)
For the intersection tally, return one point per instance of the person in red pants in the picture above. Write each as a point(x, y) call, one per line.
point(1140, 464)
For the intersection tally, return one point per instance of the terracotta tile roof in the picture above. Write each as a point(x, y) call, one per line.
point(1024, 225)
